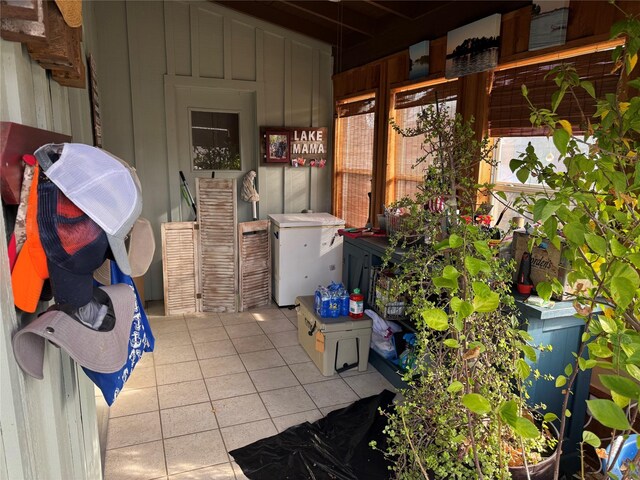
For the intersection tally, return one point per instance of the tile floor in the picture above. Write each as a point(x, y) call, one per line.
point(216, 382)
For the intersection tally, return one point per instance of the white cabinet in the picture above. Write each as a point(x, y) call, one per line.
point(306, 252)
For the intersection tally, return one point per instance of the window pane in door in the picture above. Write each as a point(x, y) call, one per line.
point(215, 140)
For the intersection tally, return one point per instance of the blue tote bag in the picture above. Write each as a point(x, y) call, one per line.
point(141, 340)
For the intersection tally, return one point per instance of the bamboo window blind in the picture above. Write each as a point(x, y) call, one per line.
point(509, 112)
point(403, 175)
point(355, 132)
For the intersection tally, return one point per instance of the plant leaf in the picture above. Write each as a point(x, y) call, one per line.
point(450, 272)
point(484, 300)
point(544, 290)
point(436, 319)
point(476, 403)
point(529, 352)
point(590, 438)
point(622, 386)
point(588, 86)
point(596, 243)
point(622, 291)
point(475, 265)
point(608, 414)
point(508, 411)
point(455, 241)
point(561, 140)
point(550, 417)
point(574, 232)
point(451, 343)
point(523, 369)
point(455, 387)
point(525, 428)
point(561, 381)
point(523, 174)
point(483, 249)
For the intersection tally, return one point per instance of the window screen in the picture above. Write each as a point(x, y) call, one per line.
point(509, 112)
point(355, 128)
point(403, 176)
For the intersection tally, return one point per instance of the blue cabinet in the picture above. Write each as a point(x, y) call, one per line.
point(558, 327)
point(554, 326)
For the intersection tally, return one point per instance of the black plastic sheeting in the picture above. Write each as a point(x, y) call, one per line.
point(335, 447)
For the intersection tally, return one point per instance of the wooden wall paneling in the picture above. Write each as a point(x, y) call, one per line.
point(217, 216)
point(179, 54)
point(321, 177)
point(437, 56)
point(254, 262)
point(16, 73)
point(194, 41)
point(180, 267)
point(473, 102)
point(243, 51)
point(49, 427)
point(228, 48)
point(274, 72)
point(42, 96)
point(210, 47)
point(297, 180)
point(114, 82)
point(147, 67)
point(514, 32)
point(60, 115)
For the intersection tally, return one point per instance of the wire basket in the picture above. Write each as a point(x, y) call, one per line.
point(394, 223)
point(379, 296)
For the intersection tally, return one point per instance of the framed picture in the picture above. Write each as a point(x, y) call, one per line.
point(419, 60)
point(473, 48)
point(548, 24)
point(277, 145)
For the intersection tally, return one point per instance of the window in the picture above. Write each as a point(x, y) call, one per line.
point(355, 137)
point(506, 181)
point(403, 176)
point(509, 120)
point(215, 140)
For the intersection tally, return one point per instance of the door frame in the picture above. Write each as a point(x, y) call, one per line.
point(175, 83)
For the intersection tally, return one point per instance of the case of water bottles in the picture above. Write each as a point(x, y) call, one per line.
point(332, 301)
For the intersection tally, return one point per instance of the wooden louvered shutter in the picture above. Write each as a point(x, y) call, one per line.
point(218, 255)
point(255, 264)
point(180, 267)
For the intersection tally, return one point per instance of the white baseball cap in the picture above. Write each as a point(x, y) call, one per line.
point(100, 184)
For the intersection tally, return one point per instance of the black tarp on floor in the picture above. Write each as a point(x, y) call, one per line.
point(334, 447)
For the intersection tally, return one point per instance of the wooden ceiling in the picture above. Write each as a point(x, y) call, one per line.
point(365, 30)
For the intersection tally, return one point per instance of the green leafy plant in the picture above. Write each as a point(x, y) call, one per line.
point(464, 414)
point(592, 210)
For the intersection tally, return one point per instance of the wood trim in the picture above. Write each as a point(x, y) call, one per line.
point(560, 53)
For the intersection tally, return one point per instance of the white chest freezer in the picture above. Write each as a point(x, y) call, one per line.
point(306, 252)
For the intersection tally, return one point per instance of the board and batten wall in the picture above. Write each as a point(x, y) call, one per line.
point(48, 428)
point(149, 47)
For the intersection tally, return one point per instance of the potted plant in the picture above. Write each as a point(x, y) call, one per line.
point(464, 414)
point(593, 210)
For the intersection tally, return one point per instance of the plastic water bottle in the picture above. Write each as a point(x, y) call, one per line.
point(322, 302)
point(344, 302)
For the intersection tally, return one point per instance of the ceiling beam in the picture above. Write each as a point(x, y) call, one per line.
point(337, 13)
point(265, 11)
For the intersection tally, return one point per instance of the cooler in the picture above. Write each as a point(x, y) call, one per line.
point(334, 344)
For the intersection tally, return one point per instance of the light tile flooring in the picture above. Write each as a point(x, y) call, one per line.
point(214, 383)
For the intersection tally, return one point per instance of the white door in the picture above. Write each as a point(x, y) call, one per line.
point(216, 136)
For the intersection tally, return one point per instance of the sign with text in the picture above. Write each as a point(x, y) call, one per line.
point(307, 146)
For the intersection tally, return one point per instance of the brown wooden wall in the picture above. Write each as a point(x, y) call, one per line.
point(589, 24)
